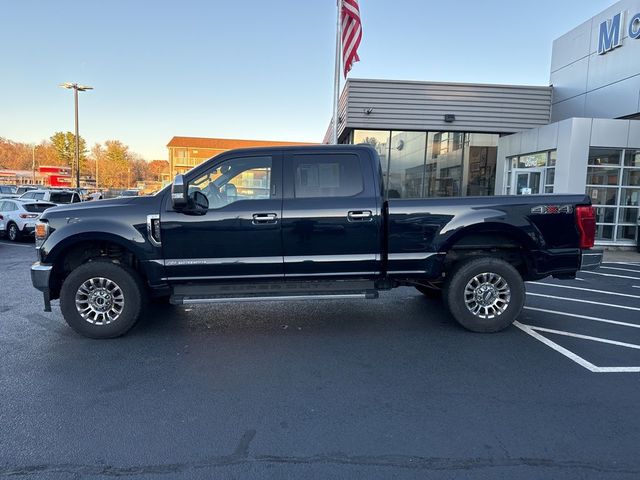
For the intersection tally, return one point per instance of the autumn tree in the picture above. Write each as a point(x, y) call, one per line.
point(157, 168)
point(114, 164)
point(64, 144)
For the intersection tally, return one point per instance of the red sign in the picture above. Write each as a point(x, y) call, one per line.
point(59, 180)
point(55, 170)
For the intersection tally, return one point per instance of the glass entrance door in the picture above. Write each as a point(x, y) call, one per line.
point(527, 181)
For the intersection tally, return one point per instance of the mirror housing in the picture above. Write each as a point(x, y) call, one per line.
point(179, 193)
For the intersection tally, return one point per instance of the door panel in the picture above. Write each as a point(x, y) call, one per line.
point(240, 234)
point(331, 218)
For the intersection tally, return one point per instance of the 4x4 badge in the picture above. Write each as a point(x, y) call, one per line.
point(551, 209)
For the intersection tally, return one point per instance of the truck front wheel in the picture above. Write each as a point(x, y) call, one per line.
point(101, 299)
point(484, 294)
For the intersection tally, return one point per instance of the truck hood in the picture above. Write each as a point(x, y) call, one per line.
point(96, 207)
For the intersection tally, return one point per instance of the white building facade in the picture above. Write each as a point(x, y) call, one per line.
point(593, 143)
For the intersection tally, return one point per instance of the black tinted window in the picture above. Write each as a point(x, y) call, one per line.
point(61, 197)
point(36, 207)
point(327, 175)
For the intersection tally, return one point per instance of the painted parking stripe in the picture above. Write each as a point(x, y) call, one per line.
point(586, 337)
point(609, 275)
point(550, 343)
point(622, 269)
point(529, 329)
point(17, 245)
point(635, 264)
point(613, 305)
point(586, 289)
point(585, 317)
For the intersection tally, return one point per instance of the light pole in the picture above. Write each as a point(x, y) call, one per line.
point(33, 164)
point(76, 88)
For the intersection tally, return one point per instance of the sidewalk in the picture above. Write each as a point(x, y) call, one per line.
point(621, 256)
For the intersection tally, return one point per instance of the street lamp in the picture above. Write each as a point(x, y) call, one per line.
point(76, 88)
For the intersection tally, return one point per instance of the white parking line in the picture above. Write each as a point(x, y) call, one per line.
point(583, 301)
point(586, 317)
point(586, 289)
point(622, 263)
point(622, 269)
point(530, 330)
point(550, 343)
point(609, 275)
point(16, 245)
point(586, 337)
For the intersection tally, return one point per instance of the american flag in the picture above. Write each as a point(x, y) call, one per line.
point(351, 34)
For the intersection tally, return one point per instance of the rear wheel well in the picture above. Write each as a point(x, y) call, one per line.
point(82, 252)
point(497, 245)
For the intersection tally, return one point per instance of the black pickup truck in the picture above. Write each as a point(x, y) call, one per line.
point(303, 223)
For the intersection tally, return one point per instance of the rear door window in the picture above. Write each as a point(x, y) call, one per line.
point(322, 175)
point(61, 197)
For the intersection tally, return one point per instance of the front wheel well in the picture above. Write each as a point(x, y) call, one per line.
point(85, 251)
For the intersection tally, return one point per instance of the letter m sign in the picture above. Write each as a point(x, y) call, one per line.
point(610, 35)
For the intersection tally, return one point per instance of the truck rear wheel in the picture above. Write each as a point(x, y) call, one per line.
point(484, 294)
point(101, 299)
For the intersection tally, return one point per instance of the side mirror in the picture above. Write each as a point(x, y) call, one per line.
point(179, 193)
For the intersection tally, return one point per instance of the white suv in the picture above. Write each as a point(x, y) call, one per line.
point(54, 196)
point(18, 217)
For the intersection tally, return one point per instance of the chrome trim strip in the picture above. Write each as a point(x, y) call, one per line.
point(411, 256)
point(274, 298)
point(153, 241)
point(179, 262)
point(328, 274)
point(223, 277)
point(360, 257)
point(396, 272)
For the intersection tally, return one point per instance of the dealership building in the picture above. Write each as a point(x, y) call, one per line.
point(581, 134)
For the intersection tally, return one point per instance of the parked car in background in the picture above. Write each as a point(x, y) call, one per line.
point(8, 191)
point(58, 197)
point(25, 188)
point(18, 218)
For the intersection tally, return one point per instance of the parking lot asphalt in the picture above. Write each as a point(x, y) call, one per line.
point(390, 388)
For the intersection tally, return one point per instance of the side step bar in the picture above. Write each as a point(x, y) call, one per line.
point(193, 293)
point(190, 300)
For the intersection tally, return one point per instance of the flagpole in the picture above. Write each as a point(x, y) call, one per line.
point(336, 80)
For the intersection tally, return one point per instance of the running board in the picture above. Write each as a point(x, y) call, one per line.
point(186, 300)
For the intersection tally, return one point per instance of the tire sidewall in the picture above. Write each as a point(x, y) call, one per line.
point(454, 294)
point(124, 277)
point(12, 227)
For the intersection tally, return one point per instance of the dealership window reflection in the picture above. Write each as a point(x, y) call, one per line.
point(434, 164)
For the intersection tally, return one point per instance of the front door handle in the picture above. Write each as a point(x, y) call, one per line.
point(360, 216)
point(262, 218)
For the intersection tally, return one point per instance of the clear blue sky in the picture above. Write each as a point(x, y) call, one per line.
point(252, 69)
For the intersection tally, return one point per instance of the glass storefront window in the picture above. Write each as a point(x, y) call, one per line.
point(632, 158)
point(378, 139)
point(434, 164)
point(602, 176)
point(481, 153)
point(531, 174)
point(406, 165)
point(629, 215)
point(604, 156)
point(614, 186)
point(532, 160)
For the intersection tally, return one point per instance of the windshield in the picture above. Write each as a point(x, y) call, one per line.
point(7, 189)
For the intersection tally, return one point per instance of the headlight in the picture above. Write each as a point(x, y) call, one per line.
point(41, 233)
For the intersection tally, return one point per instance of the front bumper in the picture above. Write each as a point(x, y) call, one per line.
point(591, 259)
point(40, 274)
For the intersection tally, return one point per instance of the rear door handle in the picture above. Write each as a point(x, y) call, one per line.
point(360, 216)
point(262, 218)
